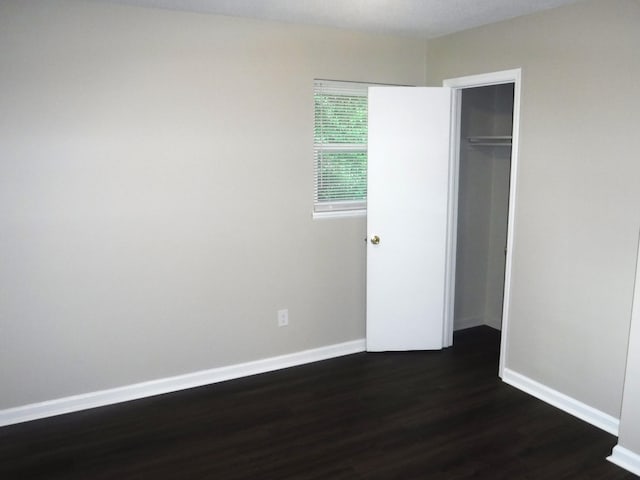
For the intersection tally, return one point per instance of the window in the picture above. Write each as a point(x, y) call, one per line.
point(340, 148)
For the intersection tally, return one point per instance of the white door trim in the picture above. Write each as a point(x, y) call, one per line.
point(457, 85)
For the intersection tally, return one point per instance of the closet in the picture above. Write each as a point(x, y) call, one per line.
point(486, 125)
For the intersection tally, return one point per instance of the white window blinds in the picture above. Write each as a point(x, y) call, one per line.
point(340, 146)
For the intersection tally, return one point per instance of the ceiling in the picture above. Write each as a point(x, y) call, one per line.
point(416, 18)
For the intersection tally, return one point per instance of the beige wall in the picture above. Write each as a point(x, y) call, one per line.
point(578, 195)
point(156, 193)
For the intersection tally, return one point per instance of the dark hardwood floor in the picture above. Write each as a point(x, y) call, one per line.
point(417, 415)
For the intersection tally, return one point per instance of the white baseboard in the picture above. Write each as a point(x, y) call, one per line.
point(126, 393)
point(626, 459)
point(494, 322)
point(467, 322)
point(568, 404)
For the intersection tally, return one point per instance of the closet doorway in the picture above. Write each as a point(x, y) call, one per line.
point(485, 132)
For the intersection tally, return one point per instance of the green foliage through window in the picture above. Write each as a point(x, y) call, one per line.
point(344, 176)
point(340, 146)
point(340, 119)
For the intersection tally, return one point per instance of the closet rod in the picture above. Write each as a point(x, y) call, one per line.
point(490, 140)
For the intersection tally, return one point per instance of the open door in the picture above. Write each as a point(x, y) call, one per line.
point(407, 211)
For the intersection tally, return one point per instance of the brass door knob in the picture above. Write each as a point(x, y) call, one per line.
point(375, 239)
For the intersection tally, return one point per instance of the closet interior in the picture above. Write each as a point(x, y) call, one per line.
point(486, 125)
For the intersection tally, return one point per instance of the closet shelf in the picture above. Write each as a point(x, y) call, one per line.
point(490, 141)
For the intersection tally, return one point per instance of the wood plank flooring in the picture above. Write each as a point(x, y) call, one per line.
point(417, 415)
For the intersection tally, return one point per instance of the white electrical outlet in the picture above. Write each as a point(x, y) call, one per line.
point(283, 317)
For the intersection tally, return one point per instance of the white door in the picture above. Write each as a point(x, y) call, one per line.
point(407, 193)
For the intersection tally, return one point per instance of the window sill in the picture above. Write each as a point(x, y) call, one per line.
point(339, 214)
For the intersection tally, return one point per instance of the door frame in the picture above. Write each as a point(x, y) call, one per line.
point(457, 85)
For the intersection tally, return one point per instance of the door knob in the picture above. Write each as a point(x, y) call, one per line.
point(375, 239)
